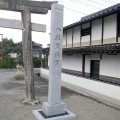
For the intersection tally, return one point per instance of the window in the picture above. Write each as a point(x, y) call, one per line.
point(85, 31)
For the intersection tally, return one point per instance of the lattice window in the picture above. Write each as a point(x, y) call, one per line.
point(85, 31)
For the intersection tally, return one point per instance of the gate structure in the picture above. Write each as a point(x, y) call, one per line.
point(26, 7)
point(1, 51)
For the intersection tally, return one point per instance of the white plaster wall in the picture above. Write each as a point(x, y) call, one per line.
point(77, 33)
point(37, 55)
point(88, 58)
point(64, 37)
point(110, 26)
point(96, 29)
point(85, 38)
point(72, 62)
point(102, 91)
point(69, 36)
point(13, 55)
point(87, 63)
point(110, 65)
point(94, 57)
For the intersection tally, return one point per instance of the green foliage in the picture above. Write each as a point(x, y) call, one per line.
point(9, 62)
point(17, 49)
point(36, 62)
point(10, 47)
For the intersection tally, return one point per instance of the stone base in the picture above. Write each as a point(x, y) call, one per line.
point(18, 77)
point(38, 114)
point(29, 102)
point(56, 109)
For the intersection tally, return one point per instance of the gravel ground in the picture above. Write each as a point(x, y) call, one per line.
point(12, 93)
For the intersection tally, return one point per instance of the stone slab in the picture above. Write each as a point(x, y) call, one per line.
point(43, 4)
point(69, 116)
point(17, 24)
point(40, 7)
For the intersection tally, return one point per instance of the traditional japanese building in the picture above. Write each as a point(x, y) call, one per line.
point(36, 48)
point(91, 55)
point(92, 46)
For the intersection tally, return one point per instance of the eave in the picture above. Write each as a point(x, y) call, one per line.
point(101, 49)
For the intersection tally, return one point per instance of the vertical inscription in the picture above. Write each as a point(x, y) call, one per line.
point(55, 55)
point(58, 38)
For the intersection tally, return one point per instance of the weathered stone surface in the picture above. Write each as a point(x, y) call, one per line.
point(55, 54)
point(54, 105)
point(40, 7)
point(27, 55)
point(20, 73)
point(17, 24)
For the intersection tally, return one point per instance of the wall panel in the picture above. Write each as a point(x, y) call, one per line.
point(109, 35)
point(96, 37)
point(69, 38)
point(76, 36)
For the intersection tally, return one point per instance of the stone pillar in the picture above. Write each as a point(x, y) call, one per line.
point(54, 105)
point(27, 56)
point(54, 109)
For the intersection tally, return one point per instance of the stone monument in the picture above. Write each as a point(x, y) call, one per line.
point(54, 109)
point(20, 73)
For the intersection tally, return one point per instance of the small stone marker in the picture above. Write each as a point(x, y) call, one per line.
point(20, 73)
point(54, 109)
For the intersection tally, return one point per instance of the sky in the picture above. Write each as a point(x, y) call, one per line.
point(73, 11)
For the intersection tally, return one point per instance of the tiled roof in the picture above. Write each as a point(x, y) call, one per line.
point(107, 48)
point(99, 14)
point(111, 48)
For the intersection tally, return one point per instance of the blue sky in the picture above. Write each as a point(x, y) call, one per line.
point(73, 11)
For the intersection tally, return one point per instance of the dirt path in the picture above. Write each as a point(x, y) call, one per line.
point(12, 93)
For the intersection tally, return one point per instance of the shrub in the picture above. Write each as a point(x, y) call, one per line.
point(36, 62)
point(9, 62)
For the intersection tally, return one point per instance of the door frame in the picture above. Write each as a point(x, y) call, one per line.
point(91, 69)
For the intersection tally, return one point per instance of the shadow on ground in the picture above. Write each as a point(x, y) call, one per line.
point(12, 85)
point(41, 88)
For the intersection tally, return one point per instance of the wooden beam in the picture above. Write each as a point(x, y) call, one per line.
point(102, 35)
point(80, 34)
point(17, 24)
point(40, 7)
point(72, 35)
point(117, 27)
point(83, 64)
point(90, 32)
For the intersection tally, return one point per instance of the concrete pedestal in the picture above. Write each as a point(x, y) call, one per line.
point(67, 116)
point(56, 109)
